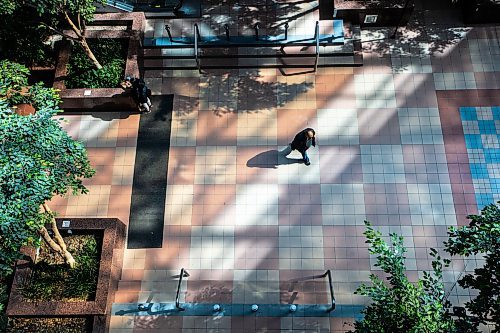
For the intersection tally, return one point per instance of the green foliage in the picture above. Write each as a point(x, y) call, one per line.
point(481, 236)
point(83, 74)
point(8, 7)
point(56, 9)
point(51, 281)
point(402, 306)
point(38, 160)
point(25, 40)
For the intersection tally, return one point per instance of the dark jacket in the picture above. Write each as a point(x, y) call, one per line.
point(300, 140)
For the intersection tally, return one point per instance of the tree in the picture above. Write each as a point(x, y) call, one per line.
point(402, 306)
point(38, 160)
point(57, 14)
point(481, 236)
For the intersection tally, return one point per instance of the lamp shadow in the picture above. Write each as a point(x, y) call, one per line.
point(272, 158)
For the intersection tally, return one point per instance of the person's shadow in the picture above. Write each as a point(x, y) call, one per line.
point(272, 158)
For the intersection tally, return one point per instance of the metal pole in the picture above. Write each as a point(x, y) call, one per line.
point(286, 30)
point(226, 27)
point(393, 36)
point(257, 27)
point(169, 33)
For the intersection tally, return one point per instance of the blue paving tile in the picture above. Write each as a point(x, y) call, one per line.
point(478, 170)
point(473, 141)
point(468, 113)
point(486, 126)
point(496, 112)
point(236, 310)
point(488, 185)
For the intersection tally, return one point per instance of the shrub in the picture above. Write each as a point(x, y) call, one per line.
point(82, 73)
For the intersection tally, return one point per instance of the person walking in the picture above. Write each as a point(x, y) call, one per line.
point(302, 142)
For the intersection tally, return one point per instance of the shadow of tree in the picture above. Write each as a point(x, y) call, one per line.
point(250, 92)
point(428, 32)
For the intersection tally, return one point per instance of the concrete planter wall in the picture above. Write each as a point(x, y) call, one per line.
point(103, 99)
point(114, 232)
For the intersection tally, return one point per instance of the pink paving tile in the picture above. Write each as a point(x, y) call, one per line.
point(101, 160)
point(300, 205)
point(387, 204)
point(216, 129)
point(290, 122)
point(340, 164)
point(181, 165)
point(157, 322)
point(335, 91)
point(378, 126)
point(374, 63)
point(212, 203)
point(119, 202)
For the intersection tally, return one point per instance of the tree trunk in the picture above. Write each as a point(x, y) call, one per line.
point(58, 245)
point(80, 33)
point(88, 52)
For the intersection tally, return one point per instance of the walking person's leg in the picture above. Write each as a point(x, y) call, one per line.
point(305, 157)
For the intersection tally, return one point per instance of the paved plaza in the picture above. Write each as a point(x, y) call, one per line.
point(409, 142)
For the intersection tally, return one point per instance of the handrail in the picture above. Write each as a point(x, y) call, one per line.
point(196, 37)
point(183, 274)
point(329, 274)
point(316, 35)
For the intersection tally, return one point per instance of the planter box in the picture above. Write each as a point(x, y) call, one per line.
point(109, 274)
point(103, 99)
point(389, 13)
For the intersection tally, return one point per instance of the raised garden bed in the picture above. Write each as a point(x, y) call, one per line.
point(51, 279)
point(103, 99)
point(96, 304)
point(50, 325)
point(111, 53)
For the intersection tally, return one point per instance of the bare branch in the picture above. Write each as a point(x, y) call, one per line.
point(61, 33)
point(73, 26)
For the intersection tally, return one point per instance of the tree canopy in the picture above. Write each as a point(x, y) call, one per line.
point(481, 237)
point(402, 306)
point(38, 160)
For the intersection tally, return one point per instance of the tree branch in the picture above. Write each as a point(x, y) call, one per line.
point(79, 22)
point(73, 26)
point(60, 32)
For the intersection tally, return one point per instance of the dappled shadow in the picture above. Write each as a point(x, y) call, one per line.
point(426, 33)
point(271, 159)
point(248, 93)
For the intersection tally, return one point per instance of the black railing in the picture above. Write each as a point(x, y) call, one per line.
point(330, 284)
point(197, 37)
point(316, 36)
point(182, 275)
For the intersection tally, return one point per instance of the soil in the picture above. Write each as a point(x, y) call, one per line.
point(52, 279)
point(49, 325)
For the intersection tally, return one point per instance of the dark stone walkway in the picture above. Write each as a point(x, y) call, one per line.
point(150, 176)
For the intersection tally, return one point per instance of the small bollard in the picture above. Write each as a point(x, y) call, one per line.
point(216, 308)
point(257, 27)
point(226, 28)
point(286, 30)
point(293, 308)
point(142, 307)
point(255, 308)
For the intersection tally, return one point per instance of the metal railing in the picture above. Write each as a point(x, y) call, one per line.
point(196, 37)
point(316, 36)
point(182, 275)
point(330, 284)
